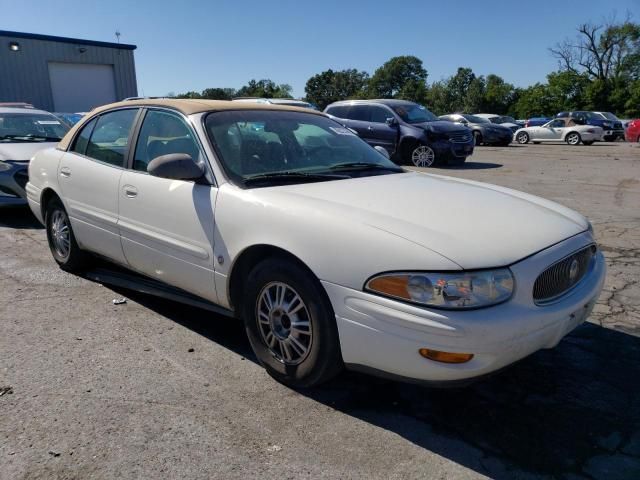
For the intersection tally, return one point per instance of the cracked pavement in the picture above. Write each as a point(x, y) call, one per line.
point(151, 388)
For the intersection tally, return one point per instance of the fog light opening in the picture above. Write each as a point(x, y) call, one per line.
point(445, 357)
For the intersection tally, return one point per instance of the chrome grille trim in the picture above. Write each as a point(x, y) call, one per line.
point(555, 281)
point(460, 137)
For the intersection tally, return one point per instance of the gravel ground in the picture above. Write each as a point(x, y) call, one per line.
point(151, 388)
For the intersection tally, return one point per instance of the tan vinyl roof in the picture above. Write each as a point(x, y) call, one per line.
point(185, 106)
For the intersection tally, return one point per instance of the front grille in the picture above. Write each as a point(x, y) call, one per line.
point(562, 276)
point(21, 177)
point(460, 137)
point(617, 125)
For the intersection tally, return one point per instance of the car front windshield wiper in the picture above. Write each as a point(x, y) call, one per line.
point(30, 137)
point(364, 166)
point(275, 176)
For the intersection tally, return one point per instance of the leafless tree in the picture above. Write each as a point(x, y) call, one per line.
point(604, 51)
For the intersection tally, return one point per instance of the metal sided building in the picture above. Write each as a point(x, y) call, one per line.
point(62, 74)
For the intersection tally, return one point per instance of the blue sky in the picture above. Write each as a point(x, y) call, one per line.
point(192, 44)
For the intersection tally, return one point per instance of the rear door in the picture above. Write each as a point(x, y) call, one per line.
point(89, 176)
point(167, 225)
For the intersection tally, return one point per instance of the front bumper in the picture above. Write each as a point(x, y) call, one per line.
point(448, 150)
point(382, 335)
point(613, 133)
point(13, 179)
point(492, 137)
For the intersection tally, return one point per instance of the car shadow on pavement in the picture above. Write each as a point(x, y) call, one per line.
point(473, 166)
point(572, 410)
point(18, 217)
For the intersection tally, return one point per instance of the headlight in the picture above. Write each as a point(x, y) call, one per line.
point(607, 124)
point(451, 290)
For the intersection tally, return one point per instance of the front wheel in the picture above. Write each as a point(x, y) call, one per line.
point(423, 156)
point(573, 138)
point(290, 324)
point(62, 242)
point(522, 138)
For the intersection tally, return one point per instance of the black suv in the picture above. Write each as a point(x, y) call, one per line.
point(408, 131)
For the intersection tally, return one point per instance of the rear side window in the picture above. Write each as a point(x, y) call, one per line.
point(359, 112)
point(110, 138)
point(163, 133)
point(82, 140)
point(339, 111)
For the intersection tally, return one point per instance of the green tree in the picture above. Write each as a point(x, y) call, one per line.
point(534, 101)
point(567, 90)
point(265, 88)
point(498, 96)
point(329, 86)
point(400, 75)
point(189, 95)
point(219, 93)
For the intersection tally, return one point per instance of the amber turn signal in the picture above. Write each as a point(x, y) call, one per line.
point(445, 357)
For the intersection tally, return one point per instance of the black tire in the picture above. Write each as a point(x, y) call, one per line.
point(73, 259)
point(573, 138)
point(609, 138)
point(536, 143)
point(322, 360)
point(587, 142)
point(522, 138)
point(421, 155)
point(477, 137)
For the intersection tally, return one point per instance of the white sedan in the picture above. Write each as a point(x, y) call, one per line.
point(560, 130)
point(330, 254)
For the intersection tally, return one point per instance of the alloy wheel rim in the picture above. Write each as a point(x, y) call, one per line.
point(60, 234)
point(522, 138)
point(284, 322)
point(423, 156)
point(573, 139)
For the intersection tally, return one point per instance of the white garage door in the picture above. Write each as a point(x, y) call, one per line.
point(79, 87)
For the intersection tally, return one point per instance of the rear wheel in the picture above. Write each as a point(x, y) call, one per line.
point(522, 138)
point(587, 142)
point(609, 138)
point(573, 138)
point(290, 324)
point(62, 242)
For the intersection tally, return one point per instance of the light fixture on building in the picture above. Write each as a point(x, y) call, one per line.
point(14, 46)
point(82, 49)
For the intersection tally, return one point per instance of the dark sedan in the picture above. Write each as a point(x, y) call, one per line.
point(484, 132)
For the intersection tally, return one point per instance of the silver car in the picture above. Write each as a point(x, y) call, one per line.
point(23, 132)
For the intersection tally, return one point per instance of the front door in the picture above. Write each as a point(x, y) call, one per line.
point(166, 225)
point(89, 176)
point(380, 133)
point(552, 130)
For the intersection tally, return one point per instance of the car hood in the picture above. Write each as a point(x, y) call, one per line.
point(22, 150)
point(475, 225)
point(440, 126)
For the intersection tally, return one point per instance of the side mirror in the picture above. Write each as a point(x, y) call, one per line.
point(383, 151)
point(391, 121)
point(175, 166)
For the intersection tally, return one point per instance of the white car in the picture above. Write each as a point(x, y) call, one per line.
point(560, 130)
point(23, 131)
point(332, 255)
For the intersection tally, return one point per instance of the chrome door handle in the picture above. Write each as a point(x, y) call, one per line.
point(369, 128)
point(130, 191)
point(65, 172)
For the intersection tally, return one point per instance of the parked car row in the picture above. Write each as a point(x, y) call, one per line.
point(24, 130)
point(331, 255)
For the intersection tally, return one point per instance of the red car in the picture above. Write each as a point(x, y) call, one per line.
point(632, 133)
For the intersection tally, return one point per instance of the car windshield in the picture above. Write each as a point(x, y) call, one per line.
point(609, 115)
point(31, 127)
point(474, 119)
point(414, 113)
point(262, 148)
point(507, 119)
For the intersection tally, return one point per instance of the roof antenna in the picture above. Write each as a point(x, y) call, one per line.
point(118, 35)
